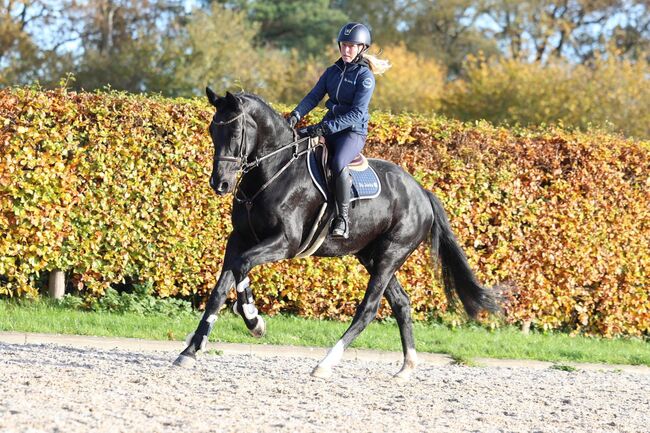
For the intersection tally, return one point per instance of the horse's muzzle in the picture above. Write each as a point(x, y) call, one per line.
point(220, 188)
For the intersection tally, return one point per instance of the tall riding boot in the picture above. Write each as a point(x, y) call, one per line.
point(340, 226)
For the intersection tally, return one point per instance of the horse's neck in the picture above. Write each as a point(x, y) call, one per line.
point(272, 138)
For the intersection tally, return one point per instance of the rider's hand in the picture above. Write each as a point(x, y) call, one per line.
point(312, 131)
point(293, 119)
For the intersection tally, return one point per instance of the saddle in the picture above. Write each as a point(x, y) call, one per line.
point(365, 182)
point(365, 185)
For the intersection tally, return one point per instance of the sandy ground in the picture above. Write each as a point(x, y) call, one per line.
point(51, 388)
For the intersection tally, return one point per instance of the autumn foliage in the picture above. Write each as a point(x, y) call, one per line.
point(609, 92)
point(109, 186)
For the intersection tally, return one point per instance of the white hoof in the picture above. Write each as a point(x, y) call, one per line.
point(260, 329)
point(184, 361)
point(321, 372)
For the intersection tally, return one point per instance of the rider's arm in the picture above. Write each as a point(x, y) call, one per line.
point(313, 97)
point(362, 95)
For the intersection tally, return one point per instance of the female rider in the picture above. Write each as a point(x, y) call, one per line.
point(349, 83)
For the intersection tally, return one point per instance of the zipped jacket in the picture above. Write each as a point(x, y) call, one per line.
point(349, 87)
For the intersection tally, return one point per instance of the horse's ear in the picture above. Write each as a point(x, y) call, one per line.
point(212, 97)
point(232, 100)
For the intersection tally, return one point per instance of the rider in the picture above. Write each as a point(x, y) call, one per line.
point(349, 83)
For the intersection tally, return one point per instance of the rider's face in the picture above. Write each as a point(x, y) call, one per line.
point(349, 51)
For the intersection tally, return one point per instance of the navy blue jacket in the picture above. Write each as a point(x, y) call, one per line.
point(349, 87)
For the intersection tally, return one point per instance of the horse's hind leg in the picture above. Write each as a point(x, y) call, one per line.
point(401, 306)
point(399, 302)
point(383, 270)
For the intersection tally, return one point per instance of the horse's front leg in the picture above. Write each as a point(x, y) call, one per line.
point(198, 339)
point(245, 307)
point(269, 250)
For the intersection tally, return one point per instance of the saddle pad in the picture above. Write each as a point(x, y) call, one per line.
point(365, 183)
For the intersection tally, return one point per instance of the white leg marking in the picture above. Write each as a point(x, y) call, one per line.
point(243, 284)
point(250, 312)
point(333, 356)
point(211, 318)
point(204, 343)
point(410, 362)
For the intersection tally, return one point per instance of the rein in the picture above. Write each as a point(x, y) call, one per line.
point(246, 167)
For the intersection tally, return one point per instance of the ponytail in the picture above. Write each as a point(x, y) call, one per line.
point(377, 66)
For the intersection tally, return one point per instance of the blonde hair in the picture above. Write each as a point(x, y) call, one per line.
point(377, 66)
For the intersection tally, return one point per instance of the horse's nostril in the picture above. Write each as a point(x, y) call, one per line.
point(223, 187)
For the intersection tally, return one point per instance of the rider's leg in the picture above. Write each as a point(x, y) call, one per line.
point(340, 226)
point(345, 146)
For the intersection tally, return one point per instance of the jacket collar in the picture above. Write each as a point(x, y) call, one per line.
point(341, 64)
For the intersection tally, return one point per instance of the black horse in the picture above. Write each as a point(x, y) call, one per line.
point(276, 205)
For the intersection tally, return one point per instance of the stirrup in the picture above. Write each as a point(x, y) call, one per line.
point(340, 228)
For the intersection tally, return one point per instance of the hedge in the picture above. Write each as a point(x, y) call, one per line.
point(110, 186)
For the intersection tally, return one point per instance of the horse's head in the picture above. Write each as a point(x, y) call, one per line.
point(232, 133)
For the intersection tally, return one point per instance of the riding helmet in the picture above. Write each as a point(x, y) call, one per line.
point(356, 33)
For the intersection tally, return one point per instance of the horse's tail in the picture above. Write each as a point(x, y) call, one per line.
point(457, 276)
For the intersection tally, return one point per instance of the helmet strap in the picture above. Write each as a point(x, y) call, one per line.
point(360, 55)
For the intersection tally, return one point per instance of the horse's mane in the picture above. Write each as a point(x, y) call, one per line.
point(261, 104)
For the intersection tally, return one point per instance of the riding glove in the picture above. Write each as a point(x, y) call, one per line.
point(312, 131)
point(293, 119)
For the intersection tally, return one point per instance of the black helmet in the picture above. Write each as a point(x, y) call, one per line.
point(356, 33)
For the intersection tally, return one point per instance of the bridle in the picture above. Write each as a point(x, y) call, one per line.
point(245, 166)
point(242, 143)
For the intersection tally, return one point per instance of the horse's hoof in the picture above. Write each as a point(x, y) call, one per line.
point(185, 361)
point(260, 329)
point(403, 375)
point(321, 372)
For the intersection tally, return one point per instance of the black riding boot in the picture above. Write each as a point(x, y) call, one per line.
point(340, 226)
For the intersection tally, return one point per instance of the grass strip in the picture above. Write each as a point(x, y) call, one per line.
point(466, 342)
